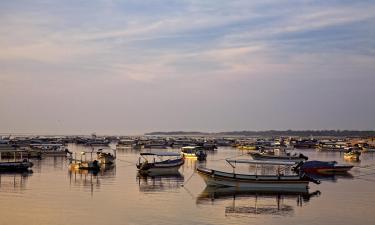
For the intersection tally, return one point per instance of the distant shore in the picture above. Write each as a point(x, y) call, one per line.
point(302, 133)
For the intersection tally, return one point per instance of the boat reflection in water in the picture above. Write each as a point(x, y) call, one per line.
point(14, 182)
point(275, 203)
point(91, 179)
point(160, 181)
point(331, 177)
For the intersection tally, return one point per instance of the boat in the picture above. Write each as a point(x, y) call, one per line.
point(49, 149)
point(193, 152)
point(106, 157)
point(158, 163)
point(23, 165)
point(124, 144)
point(276, 181)
point(323, 167)
point(352, 155)
point(277, 155)
point(84, 164)
point(248, 147)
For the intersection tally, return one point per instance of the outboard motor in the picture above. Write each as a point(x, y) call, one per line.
point(298, 166)
point(302, 156)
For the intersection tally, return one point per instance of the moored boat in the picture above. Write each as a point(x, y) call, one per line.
point(352, 155)
point(83, 163)
point(255, 181)
point(193, 152)
point(158, 163)
point(323, 167)
point(275, 157)
point(23, 165)
point(106, 157)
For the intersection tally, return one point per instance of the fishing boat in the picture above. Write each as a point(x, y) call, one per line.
point(83, 163)
point(23, 165)
point(193, 152)
point(106, 157)
point(283, 178)
point(50, 149)
point(277, 155)
point(248, 147)
point(323, 167)
point(352, 155)
point(158, 163)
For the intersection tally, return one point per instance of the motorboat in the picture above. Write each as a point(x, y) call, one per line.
point(277, 155)
point(352, 155)
point(158, 163)
point(106, 157)
point(83, 163)
point(193, 152)
point(22, 165)
point(283, 176)
point(323, 167)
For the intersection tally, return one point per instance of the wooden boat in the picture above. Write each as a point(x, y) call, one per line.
point(274, 157)
point(248, 147)
point(23, 165)
point(352, 155)
point(323, 167)
point(193, 152)
point(106, 157)
point(158, 163)
point(83, 163)
point(276, 181)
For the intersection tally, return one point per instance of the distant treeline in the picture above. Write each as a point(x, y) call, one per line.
point(300, 133)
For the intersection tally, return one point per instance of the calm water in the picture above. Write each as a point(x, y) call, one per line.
point(53, 195)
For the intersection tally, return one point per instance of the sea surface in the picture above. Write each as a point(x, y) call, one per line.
point(53, 194)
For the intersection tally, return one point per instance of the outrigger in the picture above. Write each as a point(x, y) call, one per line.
point(284, 178)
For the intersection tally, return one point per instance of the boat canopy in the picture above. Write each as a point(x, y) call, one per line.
point(161, 153)
point(189, 147)
point(261, 162)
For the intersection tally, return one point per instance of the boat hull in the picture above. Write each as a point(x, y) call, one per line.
point(257, 156)
point(15, 166)
point(161, 167)
point(252, 182)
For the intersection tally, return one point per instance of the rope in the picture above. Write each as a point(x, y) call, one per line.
point(188, 179)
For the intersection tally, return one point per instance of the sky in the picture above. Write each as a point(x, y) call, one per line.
point(129, 67)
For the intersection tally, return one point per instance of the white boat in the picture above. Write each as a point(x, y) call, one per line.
point(277, 155)
point(158, 163)
point(255, 181)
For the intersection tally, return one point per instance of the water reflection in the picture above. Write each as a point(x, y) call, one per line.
point(14, 181)
point(160, 181)
point(247, 202)
point(90, 179)
point(332, 177)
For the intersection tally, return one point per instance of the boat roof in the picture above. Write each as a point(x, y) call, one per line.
point(259, 162)
point(161, 153)
point(190, 147)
